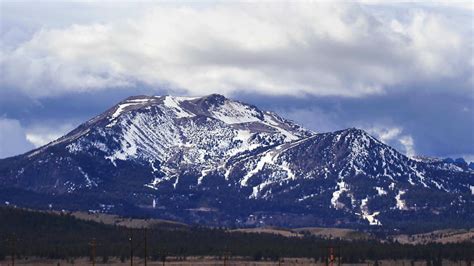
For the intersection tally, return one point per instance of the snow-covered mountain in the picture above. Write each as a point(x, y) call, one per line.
point(214, 160)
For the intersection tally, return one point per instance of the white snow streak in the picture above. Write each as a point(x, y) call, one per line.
point(401, 204)
point(364, 208)
point(173, 103)
point(341, 185)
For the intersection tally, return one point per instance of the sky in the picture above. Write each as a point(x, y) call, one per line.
point(403, 71)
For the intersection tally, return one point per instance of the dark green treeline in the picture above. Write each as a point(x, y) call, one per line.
point(62, 236)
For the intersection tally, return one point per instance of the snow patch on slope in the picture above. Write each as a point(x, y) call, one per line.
point(401, 204)
point(235, 113)
point(173, 104)
point(341, 187)
point(272, 121)
point(128, 147)
point(267, 158)
point(89, 182)
point(370, 217)
point(381, 191)
point(121, 108)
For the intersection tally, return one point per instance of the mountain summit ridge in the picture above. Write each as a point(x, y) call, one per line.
point(173, 157)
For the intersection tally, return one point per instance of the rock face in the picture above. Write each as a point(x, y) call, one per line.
point(212, 160)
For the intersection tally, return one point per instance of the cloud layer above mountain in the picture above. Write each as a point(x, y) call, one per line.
point(402, 71)
point(275, 49)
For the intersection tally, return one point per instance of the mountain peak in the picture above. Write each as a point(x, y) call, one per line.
point(215, 97)
point(358, 135)
point(211, 101)
point(353, 131)
point(135, 97)
point(183, 153)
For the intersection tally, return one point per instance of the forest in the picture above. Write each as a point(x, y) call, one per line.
point(62, 236)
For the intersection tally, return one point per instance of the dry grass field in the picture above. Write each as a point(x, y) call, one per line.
point(269, 230)
point(439, 236)
point(120, 221)
point(347, 234)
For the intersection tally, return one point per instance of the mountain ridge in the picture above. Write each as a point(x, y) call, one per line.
point(213, 160)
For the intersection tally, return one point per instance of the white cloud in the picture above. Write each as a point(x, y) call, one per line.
point(16, 138)
point(387, 134)
point(409, 145)
point(12, 138)
point(270, 48)
point(40, 135)
point(395, 136)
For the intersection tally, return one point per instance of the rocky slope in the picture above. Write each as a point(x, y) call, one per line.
point(213, 160)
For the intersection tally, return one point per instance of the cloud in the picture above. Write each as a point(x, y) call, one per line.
point(329, 117)
point(395, 137)
point(406, 67)
point(386, 134)
point(408, 144)
point(40, 135)
point(274, 49)
point(16, 138)
point(12, 138)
